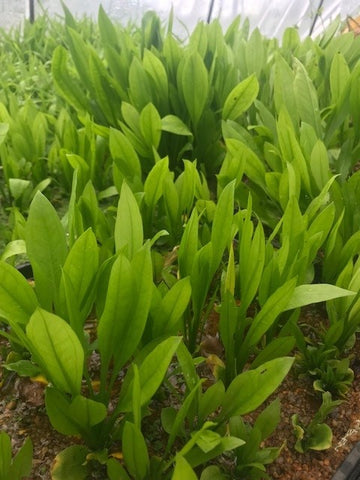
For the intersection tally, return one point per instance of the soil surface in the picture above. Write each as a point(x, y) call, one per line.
point(22, 414)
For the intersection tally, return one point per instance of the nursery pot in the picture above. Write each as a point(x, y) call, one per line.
point(26, 270)
point(350, 468)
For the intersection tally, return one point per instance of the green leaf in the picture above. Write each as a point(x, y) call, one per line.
point(128, 297)
point(46, 248)
point(251, 388)
point(306, 98)
point(172, 307)
point(212, 472)
point(211, 400)
point(22, 462)
point(153, 186)
point(125, 156)
point(279, 347)
point(268, 419)
point(320, 165)
point(17, 298)
point(70, 464)
point(195, 86)
point(81, 266)
point(150, 125)
point(115, 471)
point(188, 245)
point(339, 75)
point(151, 373)
point(128, 225)
point(321, 437)
point(5, 455)
point(173, 124)
point(16, 247)
point(183, 470)
point(57, 409)
point(65, 82)
point(4, 128)
point(221, 228)
point(87, 412)
point(197, 457)
point(57, 350)
point(140, 89)
point(274, 305)
point(208, 440)
point(24, 368)
point(307, 294)
point(240, 98)
point(135, 452)
point(181, 415)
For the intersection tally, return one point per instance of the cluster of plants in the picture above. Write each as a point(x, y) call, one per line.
point(152, 183)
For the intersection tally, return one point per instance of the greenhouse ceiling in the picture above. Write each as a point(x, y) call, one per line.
point(272, 17)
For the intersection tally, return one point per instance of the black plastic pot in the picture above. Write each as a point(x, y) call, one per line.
point(350, 468)
point(26, 270)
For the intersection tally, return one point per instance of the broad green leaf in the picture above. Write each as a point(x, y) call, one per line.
point(284, 88)
point(57, 350)
point(197, 457)
point(212, 473)
point(128, 297)
point(183, 470)
point(275, 304)
point(268, 419)
point(57, 409)
point(151, 372)
point(208, 440)
point(65, 82)
point(17, 298)
point(195, 86)
point(251, 388)
point(290, 147)
point(87, 412)
point(46, 248)
point(307, 294)
point(187, 366)
point(24, 368)
point(140, 89)
point(320, 165)
point(5, 455)
point(221, 228)
point(22, 462)
point(153, 186)
point(18, 187)
point(321, 437)
point(150, 125)
point(173, 124)
point(115, 470)
point(240, 98)
point(306, 98)
point(128, 225)
point(188, 245)
point(71, 464)
point(156, 70)
point(16, 247)
point(181, 415)
point(135, 452)
point(339, 75)
point(81, 266)
point(124, 155)
point(279, 347)
point(211, 399)
point(4, 128)
point(172, 307)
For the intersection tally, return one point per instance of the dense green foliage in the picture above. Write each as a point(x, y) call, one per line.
point(219, 173)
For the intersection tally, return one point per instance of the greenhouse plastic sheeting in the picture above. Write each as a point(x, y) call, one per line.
point(272, 17)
